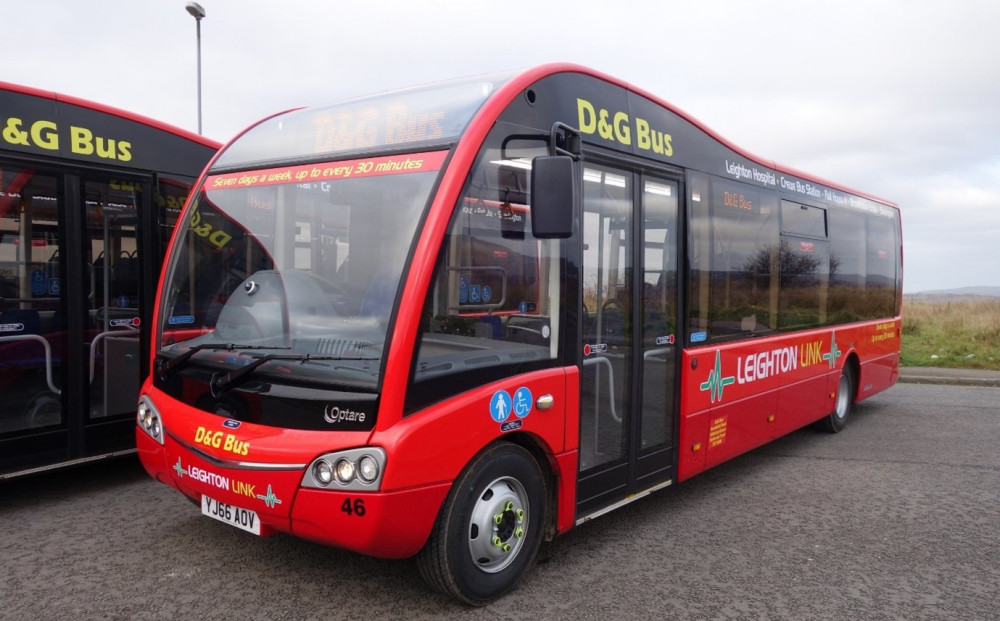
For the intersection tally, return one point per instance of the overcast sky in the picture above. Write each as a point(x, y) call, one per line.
point(897, 98)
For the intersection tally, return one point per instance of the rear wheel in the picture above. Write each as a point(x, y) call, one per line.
point(843, 403)
point(489, 529)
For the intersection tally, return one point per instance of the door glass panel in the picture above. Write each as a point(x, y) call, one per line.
point(659, 311)
point(607, 312)
point(111, 337)
point(32, 325)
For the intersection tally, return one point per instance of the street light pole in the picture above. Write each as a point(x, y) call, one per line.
point(198, 13)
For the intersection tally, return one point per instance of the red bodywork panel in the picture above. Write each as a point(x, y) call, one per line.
point(738, 396)
point(426, 452)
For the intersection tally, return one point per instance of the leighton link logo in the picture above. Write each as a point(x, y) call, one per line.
point(716, 383)
point(270, 500)
point(834, 351)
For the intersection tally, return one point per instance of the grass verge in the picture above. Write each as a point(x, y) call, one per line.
point(958, 334)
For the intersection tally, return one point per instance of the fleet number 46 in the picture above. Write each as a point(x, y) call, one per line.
point(354, 506)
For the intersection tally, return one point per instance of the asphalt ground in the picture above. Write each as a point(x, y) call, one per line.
point(895, 518)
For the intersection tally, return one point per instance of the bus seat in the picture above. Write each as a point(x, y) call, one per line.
point(493, 327)
point(126, 277)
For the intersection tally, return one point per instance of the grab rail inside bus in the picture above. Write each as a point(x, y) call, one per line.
point(659, 351)
point(611, 383)
point(604, 362)
point(100, 337)
point(48, 355)
point(93, 281)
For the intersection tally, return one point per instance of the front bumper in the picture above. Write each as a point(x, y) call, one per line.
point(384, 524)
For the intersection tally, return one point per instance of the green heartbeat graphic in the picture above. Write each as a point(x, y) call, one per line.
point(270, 500)
point(179, 469)
point(834, 351)
point(716, 383)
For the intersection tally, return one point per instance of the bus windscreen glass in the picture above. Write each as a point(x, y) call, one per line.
point(294, 270)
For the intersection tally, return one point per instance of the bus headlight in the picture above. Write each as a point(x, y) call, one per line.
point(368, 469)
point(345, 470)
point(148, 419)
point(322, 472)
point(354, 469)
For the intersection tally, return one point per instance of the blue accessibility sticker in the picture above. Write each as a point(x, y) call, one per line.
point(522, 402)
point(500, 406)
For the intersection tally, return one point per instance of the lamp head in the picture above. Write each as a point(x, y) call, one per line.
point(195, 10)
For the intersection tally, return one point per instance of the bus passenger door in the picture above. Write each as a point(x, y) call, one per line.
point(111, 277)
point(32, 322)
point(629, 324)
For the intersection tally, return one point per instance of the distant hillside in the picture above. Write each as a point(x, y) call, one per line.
point(959, 293)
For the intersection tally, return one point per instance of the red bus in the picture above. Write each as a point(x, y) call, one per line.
point(89, 196)
point(456, 320)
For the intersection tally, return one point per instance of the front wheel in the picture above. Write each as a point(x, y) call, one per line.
point(843, 403)
point(490, 527)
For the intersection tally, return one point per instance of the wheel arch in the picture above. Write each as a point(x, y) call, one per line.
point(550, 475)
point(853, 362)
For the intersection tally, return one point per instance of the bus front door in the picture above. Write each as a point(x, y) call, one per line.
point(112, 278)
point(32, 322)
point(69, 316)
point(629, 282)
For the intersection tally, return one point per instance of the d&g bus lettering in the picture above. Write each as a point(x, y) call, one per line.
point(217, 238)
point(83, 142)
point(344, 131)
point(593, 120)
point(44, 134)
point(219, 439)
point(401, 126)
point(617, 127)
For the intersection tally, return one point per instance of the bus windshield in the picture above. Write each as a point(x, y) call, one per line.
point(306, 259)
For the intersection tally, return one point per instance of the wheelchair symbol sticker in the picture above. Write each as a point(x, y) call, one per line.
point(522, 402)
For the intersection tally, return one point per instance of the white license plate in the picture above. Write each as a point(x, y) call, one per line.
point(241, 518)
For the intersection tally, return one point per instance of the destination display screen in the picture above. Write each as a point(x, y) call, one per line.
point(428, 116)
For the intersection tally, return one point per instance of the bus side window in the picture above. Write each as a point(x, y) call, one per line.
point(494, 298)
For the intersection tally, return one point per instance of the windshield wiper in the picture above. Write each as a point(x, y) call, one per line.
point(173, 365)
point(224, 383)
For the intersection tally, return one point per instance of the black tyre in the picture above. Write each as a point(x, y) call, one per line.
point(490, 527)
point(843, 403)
